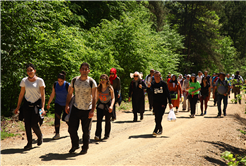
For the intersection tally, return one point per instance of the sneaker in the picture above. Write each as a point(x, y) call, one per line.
point(27, 147)
point(72, 150)
point(83, 151)
point(135, 120)
point(40, 140)
point(205, 112)
point(218, 116)
point(224, 114)
point(155, 134)
point(113, 119)
point(106, 137)
point(97, 138)
point(201, 114)
point(57, 136)
point(141, 118)
point(159, 132)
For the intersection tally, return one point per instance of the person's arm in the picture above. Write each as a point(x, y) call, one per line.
point(215, 88)
point(113, 100)
point(144, 85)
point(180, 88)
point(187, 89)
point(165, 87)
point(52, 95)
point(69, 96)
point(130, 92)
point(21, 95)
point(94, 98)
point(42, 91)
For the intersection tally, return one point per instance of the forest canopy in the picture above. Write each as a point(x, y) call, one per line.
point(177, 37)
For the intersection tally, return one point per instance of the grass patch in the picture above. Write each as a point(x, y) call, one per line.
point(125, 106)
point(21, 126)
point(50, 123)
point(5, 134)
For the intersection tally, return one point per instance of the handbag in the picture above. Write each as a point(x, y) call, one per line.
point(173, 95)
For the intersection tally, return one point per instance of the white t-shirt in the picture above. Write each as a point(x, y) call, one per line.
point(83, 93)
point(199, 78)
point(32, 88)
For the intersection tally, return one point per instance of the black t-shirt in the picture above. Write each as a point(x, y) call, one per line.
point(204, 90)
point(160, 92)
point(208, 78)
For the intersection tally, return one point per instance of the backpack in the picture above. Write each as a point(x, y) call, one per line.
point(90, 81)
point(67, 85)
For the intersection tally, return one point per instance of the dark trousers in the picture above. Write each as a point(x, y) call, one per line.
point(236, 91)
point(100, 114)
point(31, 122)
point(215, 98)
point(135, 115)
point(58, 111)
point(159, 112)
point(193, 101)
point(225, 101)
point(150, 98)
point(205, 99)
point(75, 117)
point(113, 112)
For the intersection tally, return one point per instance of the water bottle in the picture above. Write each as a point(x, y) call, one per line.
point(40, 113)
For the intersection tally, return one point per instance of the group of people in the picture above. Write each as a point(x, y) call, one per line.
point(77, 101)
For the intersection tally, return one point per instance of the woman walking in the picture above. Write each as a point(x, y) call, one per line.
point(136, 91)
point(32, 87)
point(205, 91)
point(115, 82)
point(106, 99)
point(193, 90)
point(60, 90)
point(175, 91)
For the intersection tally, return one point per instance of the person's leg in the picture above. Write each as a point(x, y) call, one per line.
point(201, 101)
point(73, 126)
point(225, 102)
point(161, 113)
point(157, 116)
point(86, 128)
point(27, 122)
point(99, 123)
point(219, 98)
point(195, 102)
point(150, 98)
point(58, 111)
point(192, 104)
point(206, 103)
point(235, 94)
point(114, 113)
point(35, 126)
point(107, 124)
point(184, 102)
point(239, 99)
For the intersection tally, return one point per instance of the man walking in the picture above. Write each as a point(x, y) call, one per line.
point(160, 96)
point(148, 80)
point(237, 84)
point(223, 87)
point(184, 87)
point(83, 107)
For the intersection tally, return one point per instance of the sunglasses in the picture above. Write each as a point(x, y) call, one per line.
point(135, 76)
point(111, 73)
point(102, 79)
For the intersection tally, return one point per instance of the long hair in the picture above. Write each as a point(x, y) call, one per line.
point(175, 81)
point(194, 80)
point(100, 85)
point(203, 79)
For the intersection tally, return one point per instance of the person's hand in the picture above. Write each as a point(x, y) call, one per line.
point(16, 110)
point(43, 112)
point(48, 106)
point(192, 93)
point(170, 106)
point(110, 109)
point(225, 94)
point(67, 109)
point(118, 95)
point(191, 88)
point(129, 99)
point(140, 86)
point(149, 85)
point(91, 114)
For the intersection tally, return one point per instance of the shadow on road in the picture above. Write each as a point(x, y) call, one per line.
point(183, 117)
point(146, 136)
point(127, 121)
point(57, 156)
point(50, 139)
point(215, 161)
point(14, 151)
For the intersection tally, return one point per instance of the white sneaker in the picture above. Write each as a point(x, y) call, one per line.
point(57, 136)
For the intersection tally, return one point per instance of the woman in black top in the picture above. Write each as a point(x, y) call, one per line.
point(136, 91)
point(205, 91)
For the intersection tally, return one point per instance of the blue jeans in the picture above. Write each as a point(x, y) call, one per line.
point(225, 102)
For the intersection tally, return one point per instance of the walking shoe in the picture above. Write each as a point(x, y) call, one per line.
point(72, 150)
point(224, 114)
point(201, 114)
point(184, 109)
point(135, 120)
point(106, 137)
point(113, 119)
point(27, 147)
point(141, 118)
point(218, 116)
point(159, 133)
point(205, 112)
point(57, 136)
point(40, 140)
point(154, 134)
point(97, 138)
point(83, 151)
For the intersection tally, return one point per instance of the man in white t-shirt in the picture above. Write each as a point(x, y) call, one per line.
point(83, 107)
point(199, 77)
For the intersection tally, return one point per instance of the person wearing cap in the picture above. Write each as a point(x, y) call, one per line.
point(237, 84)
point(160, 95)
point(136, 91)
point(193, 90)
point(223, 87)
point(185, 92)
point(148, 79)
point(60, 90)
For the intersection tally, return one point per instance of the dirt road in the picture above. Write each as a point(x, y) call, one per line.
point(187, 141)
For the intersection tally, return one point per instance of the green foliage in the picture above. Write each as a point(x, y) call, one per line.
point(233, 161)
point(5, 134)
